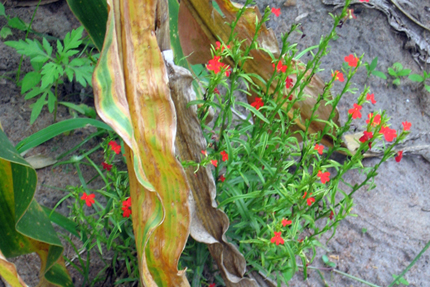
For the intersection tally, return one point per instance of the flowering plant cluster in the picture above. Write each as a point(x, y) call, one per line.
point(276, 181)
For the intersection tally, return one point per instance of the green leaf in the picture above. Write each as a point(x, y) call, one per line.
point(59, 47)
point(37, 108)
point(17, 24)
point(50, 73)
point(51, 101)
point(29, 81)
point(61, 221)
point(416, 78)
point(379, 74)
point(47, 47)
point(392, 72)
point(397, 66)
point(254, 111)
point(29, 48)
point(374, 63)
point(396, 82)
point(93, 16)
point(404, 72)
point(82, 108)
point(36, 91)
point(2, 12)
point(325, 259)
point(5, 31)
point(427, 87)
point(73, 39)
point(57, 129)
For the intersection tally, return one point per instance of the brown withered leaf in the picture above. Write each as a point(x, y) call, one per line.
point(208, 224)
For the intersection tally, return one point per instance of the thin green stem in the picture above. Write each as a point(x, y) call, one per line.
point(341, 273)
point(56, 101)
point(410, 265)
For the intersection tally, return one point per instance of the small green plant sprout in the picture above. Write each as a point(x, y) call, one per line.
point(401, 280)
point(371, 69)
point(50, 69)
point(327, 261)
point(397, 71)
point(363, 230)
point(14, 22)
point(421, 79)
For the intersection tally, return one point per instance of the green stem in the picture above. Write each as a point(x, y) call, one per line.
point(342, 273)
point(56, 101)
point(412, 264)
point(26, 35)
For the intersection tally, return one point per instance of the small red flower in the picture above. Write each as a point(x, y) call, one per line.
point(319, 148)
point(212, 285)
point(388, 133)
point(106, 166)
point(366, 136)
point(214, 162)
point(338, 76)
point(204, 152)
point(89, 198)
point(406, 126)
point(324, 176)
point(224, 155)
point(376, 120)
point(216, 91)
point(115, 147)
point(222, 178)
point(276, 11)
point(355, 111)
point(290, 97)
point(351, 60)
point(304, 195)
point(277, 239)
point(214, 65)
point(364, 1)
point(258, 103)
point(286, 222)
point(300, 240)
point(288, 82)
point(126, 207)
point(399, 156)
point(227, 69)
point(280, 67)
point(331, 215)
point(371, 98)
point(218, 46)
point(310, 200)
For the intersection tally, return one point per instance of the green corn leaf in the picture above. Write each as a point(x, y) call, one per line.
point(29, 81)
point(21, 214)
point(57, 129)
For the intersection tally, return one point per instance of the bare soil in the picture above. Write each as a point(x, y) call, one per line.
point(396, 215)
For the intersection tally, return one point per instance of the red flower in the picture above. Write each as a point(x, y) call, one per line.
point(286, 222)
point(366, 136)
point(338, 76)
point(214, 65)
point(280, 67)
point(216, 91)
point(224, 155)
point(331, 215)
point(288, 82)
point(277, 238)
point(212, 285)
point(106, 166)
point(399, 156)
point(276, 11)
point(371, 97)
point(218, 46)
point(355, 111)
point(388, 133)
point(204, 152)
point(222, 178)
point(115, 147)
point(310, 200)
point(351, 60)
point(406, 126)
point(364, 1)
point(324, 176)
point(376, 120)
point(258, 103)
point(89, 199)
point(227, 69)
point(319, 148)
point(214, 162)
point(126, 207)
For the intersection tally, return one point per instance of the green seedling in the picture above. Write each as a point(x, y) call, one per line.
point(12, 22)
point(421, 79)
point(371, 69)
point(327, 262)
point(363, 230)
point(397, 71)
point(51, 68)
point(401, 280)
